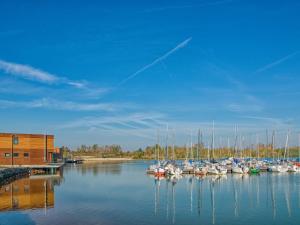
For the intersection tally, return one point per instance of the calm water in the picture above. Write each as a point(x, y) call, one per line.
point(123, 194)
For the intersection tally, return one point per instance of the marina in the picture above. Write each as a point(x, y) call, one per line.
point(149, 112)
point(106, 194)
point(242, 157)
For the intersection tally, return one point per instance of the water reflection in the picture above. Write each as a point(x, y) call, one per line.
point(234, 194)
point(96, 168)
point(35, 192)
point(122, 194)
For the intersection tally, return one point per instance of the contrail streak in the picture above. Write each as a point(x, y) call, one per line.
point(159, 59)
point(277, 62)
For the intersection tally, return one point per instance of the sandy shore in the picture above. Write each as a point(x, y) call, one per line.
point(87, 159)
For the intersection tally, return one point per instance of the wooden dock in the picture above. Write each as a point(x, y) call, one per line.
point(50, 168)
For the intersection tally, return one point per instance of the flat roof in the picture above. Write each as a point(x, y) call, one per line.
point(25, 135)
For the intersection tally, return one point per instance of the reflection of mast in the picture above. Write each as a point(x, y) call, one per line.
point(46, 197)
point(212, 190)
point(173, 201)
point(236, 211)
point(191, 193)
point(156, 200)
point(257, 195)
point(167, 209)
point(273, 199)
point(287, 198)
point(199, 197)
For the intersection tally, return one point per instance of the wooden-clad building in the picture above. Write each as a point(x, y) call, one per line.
point(26, 149)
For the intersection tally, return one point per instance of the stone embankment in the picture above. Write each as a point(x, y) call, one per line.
point(9, 174)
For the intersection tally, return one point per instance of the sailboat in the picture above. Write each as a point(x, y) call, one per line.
point(295, 167)
point(156, 169)
point(215, 168)
point(240, 169)
point(240, 166)
point(171, 167)
point(281, 167)
point(188, 165)
point(201, 169)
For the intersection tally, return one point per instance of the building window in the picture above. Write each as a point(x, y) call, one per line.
point(26, 154)
point(16, 154)
point(15, 140)
point(6, 155)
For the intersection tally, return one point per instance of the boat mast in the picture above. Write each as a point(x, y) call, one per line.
point(173, 147)
point(158, 146)
point(235, 142)
point(167, 150)
point(201, 144)
point(220, 147)
point(208, 152)
point(257, 145)
point(213, 139)
point(228, 147)
point(273, 144)
point(192, 154)
point(155, 151)
point(267, 146)
point(198, 145)
point(243, 147)
point(286, 145)
point(299, 148)
point(186, 152)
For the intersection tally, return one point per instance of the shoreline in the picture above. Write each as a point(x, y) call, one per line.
point(88, 159)
point(8, 175)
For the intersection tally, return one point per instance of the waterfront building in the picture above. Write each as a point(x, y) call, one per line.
point(27, 149)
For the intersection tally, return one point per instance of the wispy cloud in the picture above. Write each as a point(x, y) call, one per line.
point(16, 87)
point(130, 121)
point(240, 108)
point(275, 63)
point(52, 104)
point(27, 72)
point(267, 119)
point(159, 59)
point(30, 73)
point(136, 124)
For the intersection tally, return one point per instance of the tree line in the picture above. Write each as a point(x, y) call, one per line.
point(179, 152)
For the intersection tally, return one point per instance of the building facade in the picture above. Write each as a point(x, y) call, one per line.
point(26, 149)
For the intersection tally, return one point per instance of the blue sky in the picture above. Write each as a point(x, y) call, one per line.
point(117, 71)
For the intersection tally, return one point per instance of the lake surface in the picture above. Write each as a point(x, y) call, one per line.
point(121, 194)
